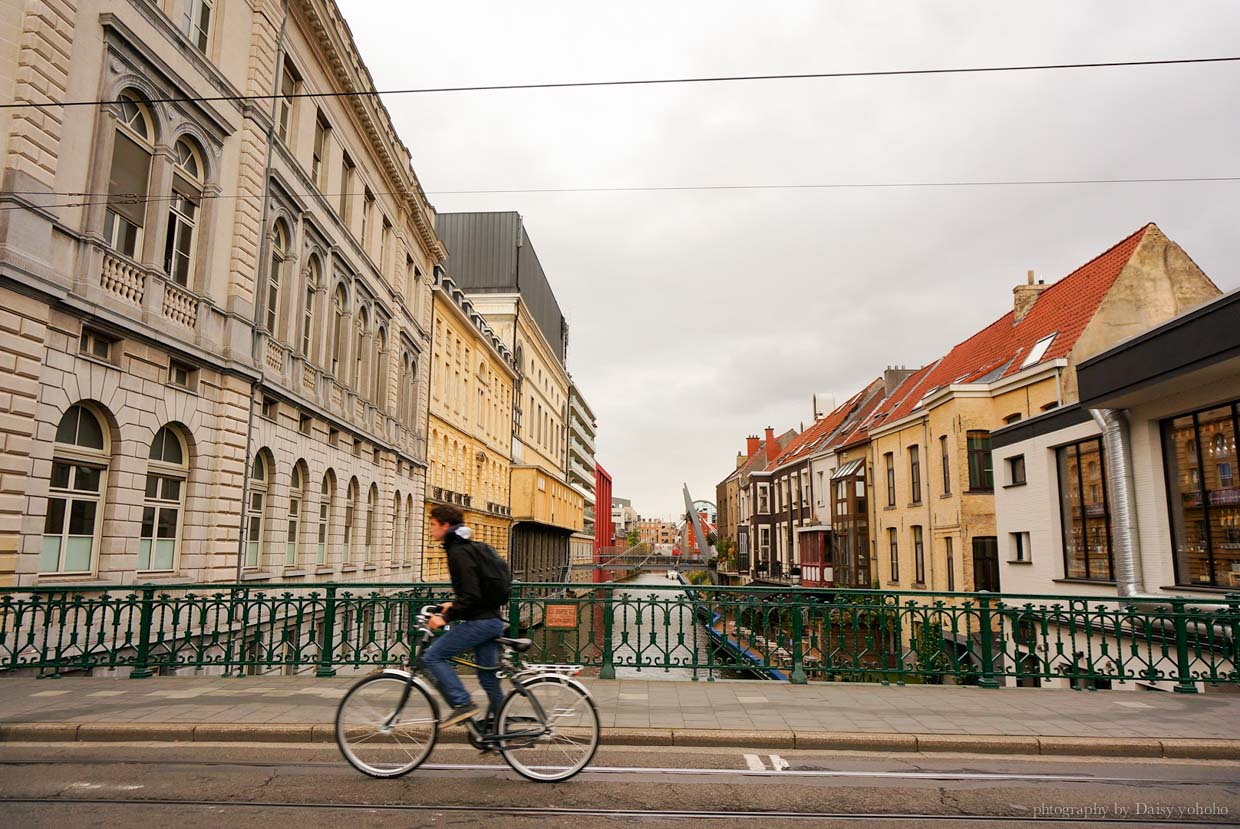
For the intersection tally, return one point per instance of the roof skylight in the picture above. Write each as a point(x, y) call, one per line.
point(1039, 350)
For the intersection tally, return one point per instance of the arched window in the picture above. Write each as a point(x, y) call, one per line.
point(410, 529)
point(307, 311)
point(381, 364)
point(359, 352)
point(296, 501)
point(130, 175)
point(76, 495)
point(279, 253)
point(350, 507)
point(372, 500)
point(166, 474)
point(187, 182)
point(256, 513)
point(410, 392)
point(340, 304)
point(327, 495)
point(397, 524)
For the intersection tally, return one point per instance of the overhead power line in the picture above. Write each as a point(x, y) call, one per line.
point(877, 73)
point(86, 199)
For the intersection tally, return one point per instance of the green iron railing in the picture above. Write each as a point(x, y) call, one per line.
point(794, 634)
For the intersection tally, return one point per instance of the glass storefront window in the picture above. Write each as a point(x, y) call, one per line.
point(1084, 511)
point(1200, 461)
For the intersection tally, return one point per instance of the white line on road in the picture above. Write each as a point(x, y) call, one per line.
point(778, 763)
point(760, 770)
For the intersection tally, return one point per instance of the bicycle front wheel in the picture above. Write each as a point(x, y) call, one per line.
point(548, 729)
point(379, 736)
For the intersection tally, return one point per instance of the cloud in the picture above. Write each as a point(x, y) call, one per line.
point(701, 317)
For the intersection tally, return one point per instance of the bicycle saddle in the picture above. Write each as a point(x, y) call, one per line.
point(518, 645)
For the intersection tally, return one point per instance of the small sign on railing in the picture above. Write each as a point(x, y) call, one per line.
point(560, 617)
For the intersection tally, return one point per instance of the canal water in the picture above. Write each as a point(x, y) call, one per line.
point(655, 627)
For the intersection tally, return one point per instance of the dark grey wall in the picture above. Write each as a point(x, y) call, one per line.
point(490, 252)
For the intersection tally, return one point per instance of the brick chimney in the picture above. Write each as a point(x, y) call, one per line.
point(772, 446)
point(752, 444)
point(740, 459)
point(1026, 295)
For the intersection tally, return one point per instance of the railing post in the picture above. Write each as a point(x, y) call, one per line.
point(514, 613)
point(798, 676)
point(987, 679)
point(1184, 683)
point(329, 635)
point(608, 670)
point(142, 668)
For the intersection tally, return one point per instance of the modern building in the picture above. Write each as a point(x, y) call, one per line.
point(934, 510)
point(579, 463)
point(604, 528)
point(493, 260)
point(623, 519)
point(472, 377)
point(1134, 491)
point(201, 388)
point(654, 532)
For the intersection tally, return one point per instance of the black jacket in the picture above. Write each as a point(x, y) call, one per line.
point(463, 570)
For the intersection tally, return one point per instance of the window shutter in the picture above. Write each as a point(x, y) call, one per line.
point(131, 167)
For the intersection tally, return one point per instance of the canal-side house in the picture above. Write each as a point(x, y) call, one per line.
point(1165, 406)
point(815, 538)
point(839, 475)
point(931, 446)
point(756, 497)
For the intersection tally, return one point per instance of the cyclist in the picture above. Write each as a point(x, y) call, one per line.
point(475, 620)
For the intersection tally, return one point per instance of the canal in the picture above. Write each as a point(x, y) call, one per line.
point(654, 628)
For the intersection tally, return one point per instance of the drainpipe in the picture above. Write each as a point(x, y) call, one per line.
point(1114, 425)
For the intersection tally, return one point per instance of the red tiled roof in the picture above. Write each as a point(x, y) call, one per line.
point(823, 433)
point(1063, 309)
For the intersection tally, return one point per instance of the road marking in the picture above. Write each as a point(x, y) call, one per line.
point(1133, 704)
point(761, 770)
point(751, 699)
point(106, 694)
point(48, 693)
point(779, 763)
point(633, 696)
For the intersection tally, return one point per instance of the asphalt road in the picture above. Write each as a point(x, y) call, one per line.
point(243, 785)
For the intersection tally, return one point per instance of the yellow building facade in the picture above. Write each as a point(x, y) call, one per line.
point(472, 374)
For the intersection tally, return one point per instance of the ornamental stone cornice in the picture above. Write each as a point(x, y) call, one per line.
point(334, 38)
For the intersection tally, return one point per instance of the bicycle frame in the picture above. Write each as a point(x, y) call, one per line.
point(509, 668)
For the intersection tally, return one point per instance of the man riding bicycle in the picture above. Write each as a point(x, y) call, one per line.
point(473, 614)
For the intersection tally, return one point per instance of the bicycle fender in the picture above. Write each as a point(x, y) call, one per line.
point(418, 681)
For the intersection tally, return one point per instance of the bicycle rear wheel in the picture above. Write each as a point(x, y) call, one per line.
point(550, 729)
point(379, 736)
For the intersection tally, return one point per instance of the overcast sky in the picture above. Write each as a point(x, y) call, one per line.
point(700, 317)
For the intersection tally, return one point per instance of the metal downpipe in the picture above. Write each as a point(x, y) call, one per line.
point(1129, 581)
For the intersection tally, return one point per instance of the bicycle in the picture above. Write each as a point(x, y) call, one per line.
point(546, 728)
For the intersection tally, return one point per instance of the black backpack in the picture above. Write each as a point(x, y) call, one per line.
point(494, 575)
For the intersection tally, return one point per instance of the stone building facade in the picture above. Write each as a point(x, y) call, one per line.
point(214, 355)
point(472, 376)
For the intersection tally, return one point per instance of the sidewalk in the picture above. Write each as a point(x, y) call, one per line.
point(739, 714)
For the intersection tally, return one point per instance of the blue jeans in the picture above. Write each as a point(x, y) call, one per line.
point(478, 634)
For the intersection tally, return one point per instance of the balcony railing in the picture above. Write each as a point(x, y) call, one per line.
point(784, 632)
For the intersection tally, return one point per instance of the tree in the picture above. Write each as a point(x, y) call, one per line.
point(633, 538)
